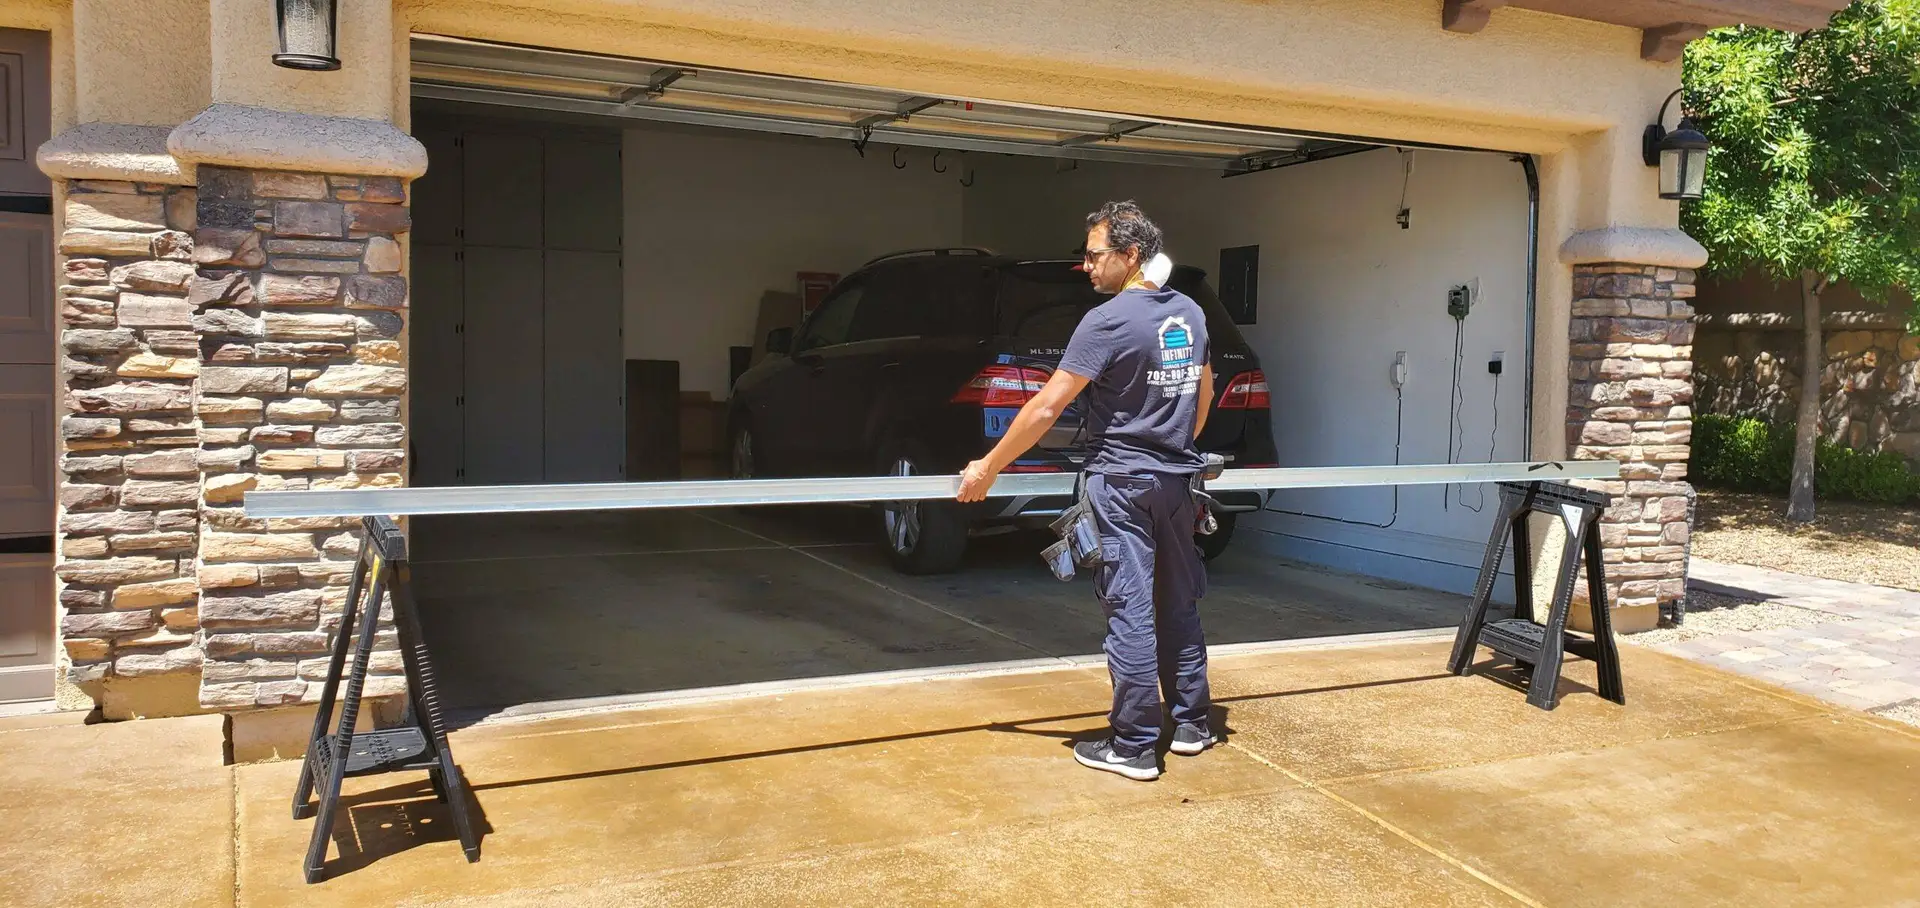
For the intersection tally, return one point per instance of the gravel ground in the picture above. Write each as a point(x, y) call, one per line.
point(1863, 543)
point(1711, 614)
point(1908, 712)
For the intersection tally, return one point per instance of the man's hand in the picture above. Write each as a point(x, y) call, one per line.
point(976, 480)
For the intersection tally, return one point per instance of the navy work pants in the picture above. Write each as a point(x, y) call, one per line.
point(1150, 584)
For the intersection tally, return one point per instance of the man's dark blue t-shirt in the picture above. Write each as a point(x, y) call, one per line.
point(1142, 352)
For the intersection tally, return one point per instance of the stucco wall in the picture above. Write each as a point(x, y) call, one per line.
point(1342, 289)
point(715, 219)
point(243, 70)
point(147, 62)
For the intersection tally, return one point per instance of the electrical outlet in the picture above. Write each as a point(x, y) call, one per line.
point(1497, 363)
point(1399, 374)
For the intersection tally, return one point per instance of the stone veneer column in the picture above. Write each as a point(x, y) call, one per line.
point(297, 304)
point(1631, 383)
point(129, 522)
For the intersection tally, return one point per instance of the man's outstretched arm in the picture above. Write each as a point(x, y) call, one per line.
point(1033, 421)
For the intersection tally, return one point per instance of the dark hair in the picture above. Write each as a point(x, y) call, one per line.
point(1128, 228)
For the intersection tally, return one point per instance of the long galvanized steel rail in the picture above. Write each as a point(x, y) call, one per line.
point(707, 493)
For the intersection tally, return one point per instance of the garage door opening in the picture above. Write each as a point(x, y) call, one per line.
point(618, 264)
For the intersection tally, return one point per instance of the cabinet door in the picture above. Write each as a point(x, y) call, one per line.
point(504, 359)
point(584, 373)
point(502, 194)
point(438, 364)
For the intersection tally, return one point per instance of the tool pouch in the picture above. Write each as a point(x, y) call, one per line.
point(1079, 544)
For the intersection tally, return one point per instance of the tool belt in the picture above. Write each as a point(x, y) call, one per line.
point(1079, 545)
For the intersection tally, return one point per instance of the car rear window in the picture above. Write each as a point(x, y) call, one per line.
point(1042, 302)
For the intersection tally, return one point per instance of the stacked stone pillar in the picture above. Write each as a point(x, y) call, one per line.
point(129, 519)
point(297, 306)
point(1631, 400)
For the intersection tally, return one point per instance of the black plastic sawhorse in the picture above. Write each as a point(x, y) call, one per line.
point(1528, 643)
point(418, 743)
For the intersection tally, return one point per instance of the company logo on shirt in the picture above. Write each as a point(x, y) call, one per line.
point(1178, 375)
point(1176, 342)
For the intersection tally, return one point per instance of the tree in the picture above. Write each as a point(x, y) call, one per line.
point(1814, 174)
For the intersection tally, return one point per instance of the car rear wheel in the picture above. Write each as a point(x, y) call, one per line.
point(740, 454)
point(921, 537)
point(1212, 545)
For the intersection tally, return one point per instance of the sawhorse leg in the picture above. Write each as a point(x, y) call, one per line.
point(303, 792)
point(1606, 655)
point(423, 699)
point(1543, 687)
point(342, 743)
point(1468, 638)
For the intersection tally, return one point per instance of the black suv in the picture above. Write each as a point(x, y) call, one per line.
point(916, 364)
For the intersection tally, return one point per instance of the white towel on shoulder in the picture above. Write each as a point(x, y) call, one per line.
point(1158, 270)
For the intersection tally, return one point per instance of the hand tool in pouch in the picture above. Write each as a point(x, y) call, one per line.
point(1204, 521)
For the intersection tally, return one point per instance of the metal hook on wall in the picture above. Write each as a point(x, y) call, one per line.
point(898, 162)
point(936, 164)
point(969, 179)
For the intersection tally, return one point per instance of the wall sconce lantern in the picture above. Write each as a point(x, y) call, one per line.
point(1681, 155)
point(306, 30)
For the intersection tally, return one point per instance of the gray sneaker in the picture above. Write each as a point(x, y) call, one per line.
point(1190, 740)
point(1140, 767)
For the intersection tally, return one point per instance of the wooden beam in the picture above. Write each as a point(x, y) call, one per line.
point(1666, 43)
point(1468, 16)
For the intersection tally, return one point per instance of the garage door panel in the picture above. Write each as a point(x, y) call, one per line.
point(583, 204)
point(26, 621)
point(26, 288)
point(584, 371)
point(26, 450)
point(503, 199)
point(504, 356)
point(438, 433)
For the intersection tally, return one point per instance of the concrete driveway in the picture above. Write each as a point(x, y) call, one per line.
point(1354, 776)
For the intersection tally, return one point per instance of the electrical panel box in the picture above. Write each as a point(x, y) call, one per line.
point(1459, 301)
point(1240, 283)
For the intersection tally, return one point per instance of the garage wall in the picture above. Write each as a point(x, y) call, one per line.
point(1342, 288)
point(746, 212)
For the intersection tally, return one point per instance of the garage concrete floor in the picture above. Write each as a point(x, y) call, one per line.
point(1352, 776)
point(563, 607)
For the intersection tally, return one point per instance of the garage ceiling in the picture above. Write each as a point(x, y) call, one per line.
point(456, 69)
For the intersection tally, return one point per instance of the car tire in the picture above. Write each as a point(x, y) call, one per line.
point(1215, 543)
point(919, 537)
point(743, 455)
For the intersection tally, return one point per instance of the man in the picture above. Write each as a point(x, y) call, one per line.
point(1142, 358)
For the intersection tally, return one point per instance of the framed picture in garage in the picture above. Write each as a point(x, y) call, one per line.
point(813, 288)
point(1240, 282)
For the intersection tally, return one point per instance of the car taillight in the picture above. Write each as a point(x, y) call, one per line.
point(1002, 386)
point(1247, 391)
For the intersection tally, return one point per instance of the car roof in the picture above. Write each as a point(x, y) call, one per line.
point(991, 261)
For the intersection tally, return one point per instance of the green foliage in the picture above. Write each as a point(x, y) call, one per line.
point(1816, 148)
point(1752, 456)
